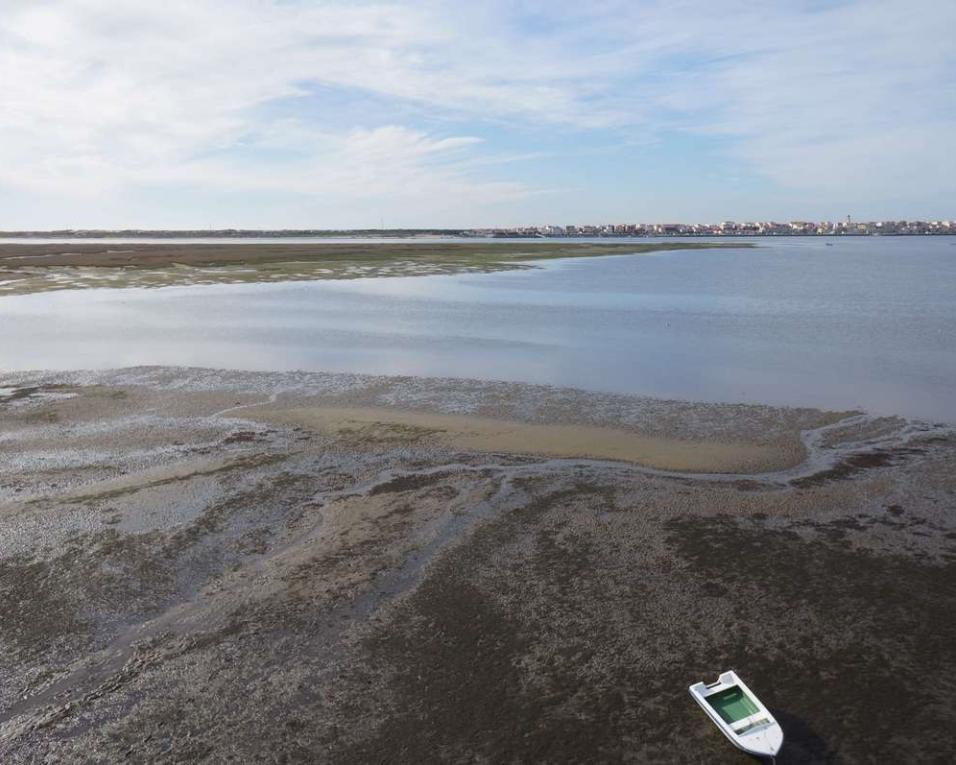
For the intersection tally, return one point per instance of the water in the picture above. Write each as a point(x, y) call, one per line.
point(865, 323)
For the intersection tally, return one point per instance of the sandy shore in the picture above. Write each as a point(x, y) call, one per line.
point(28, 268)
point(199, 565)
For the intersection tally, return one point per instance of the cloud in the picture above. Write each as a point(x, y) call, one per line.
point(845, 100)
point(359, 164)
point(855, 100)
point(100, 95)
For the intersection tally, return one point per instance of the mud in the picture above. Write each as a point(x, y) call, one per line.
point(186, 577)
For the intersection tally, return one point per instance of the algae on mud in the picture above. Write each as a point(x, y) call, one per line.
point(28, 268)
point(193, 581)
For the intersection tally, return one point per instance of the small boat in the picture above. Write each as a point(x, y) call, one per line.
point(739, 714)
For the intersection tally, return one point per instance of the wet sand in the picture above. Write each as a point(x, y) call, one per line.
point(480, 434)
point(199, 565)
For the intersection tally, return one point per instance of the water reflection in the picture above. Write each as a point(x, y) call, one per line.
point(867, 322)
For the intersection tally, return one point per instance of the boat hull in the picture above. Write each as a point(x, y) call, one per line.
point(739, 715)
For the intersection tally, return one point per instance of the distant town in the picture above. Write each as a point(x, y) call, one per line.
point(847, 227)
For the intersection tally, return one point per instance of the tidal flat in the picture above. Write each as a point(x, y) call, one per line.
point(29, 268)
point(202, 565)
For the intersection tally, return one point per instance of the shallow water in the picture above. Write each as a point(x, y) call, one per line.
point(868, 322)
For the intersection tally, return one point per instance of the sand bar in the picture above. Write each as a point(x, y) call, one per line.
point(480, 434)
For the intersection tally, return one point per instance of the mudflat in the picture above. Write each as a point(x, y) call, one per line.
point(27, 268)
point(205, 565)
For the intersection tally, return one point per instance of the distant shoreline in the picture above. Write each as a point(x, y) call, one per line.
point(465, 234)
point(29, 268)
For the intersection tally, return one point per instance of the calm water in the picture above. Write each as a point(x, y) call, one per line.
point(863, 323)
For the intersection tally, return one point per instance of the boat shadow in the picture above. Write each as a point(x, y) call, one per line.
point(801, 744)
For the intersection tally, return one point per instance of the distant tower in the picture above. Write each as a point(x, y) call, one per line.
point(848, 220)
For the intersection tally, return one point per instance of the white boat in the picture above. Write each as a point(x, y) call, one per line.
point(739, 714)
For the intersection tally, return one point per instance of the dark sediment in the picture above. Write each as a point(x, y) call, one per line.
point(182, 586)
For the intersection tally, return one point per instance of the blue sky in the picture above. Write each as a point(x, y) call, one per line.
point(251, 113)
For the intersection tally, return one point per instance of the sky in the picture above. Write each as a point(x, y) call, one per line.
point(314, 114)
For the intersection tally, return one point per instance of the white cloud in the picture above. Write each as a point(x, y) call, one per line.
point(361, 163)
point(101, 96)
point(858, 100)
point(98, 95)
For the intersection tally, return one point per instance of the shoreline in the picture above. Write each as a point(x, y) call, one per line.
point(707, 441)
point(32, 268)
point(213, 551)
point(494, 416)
